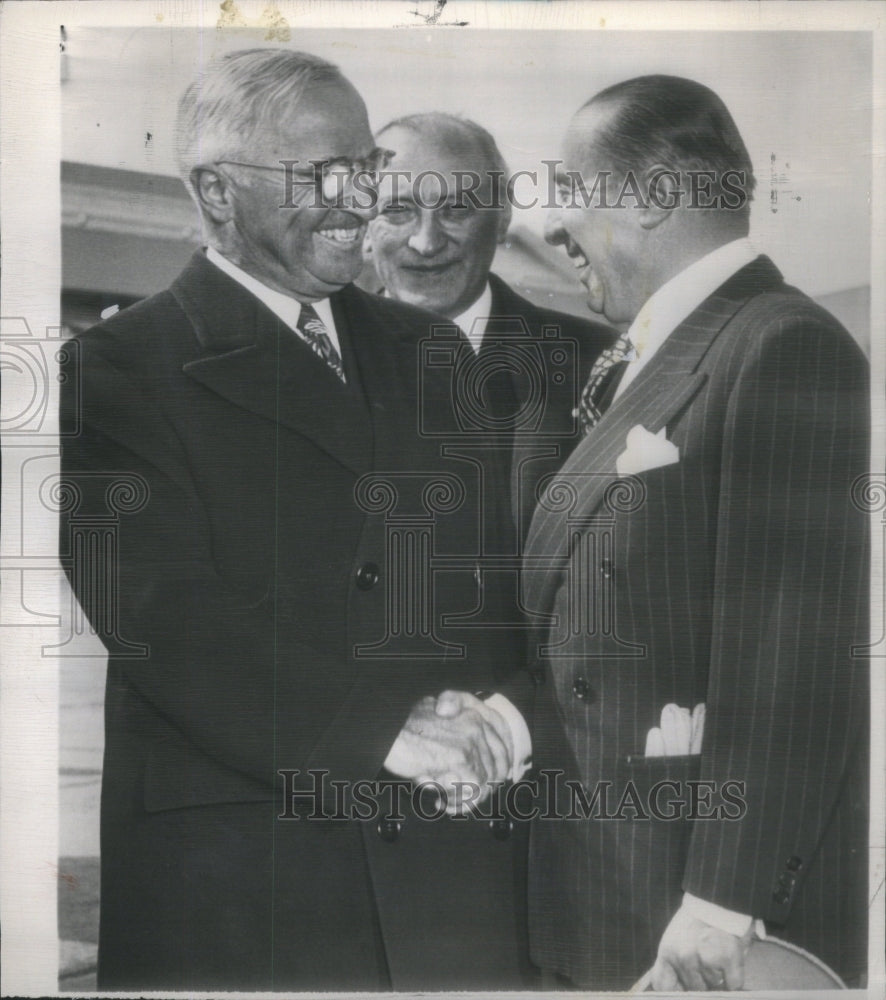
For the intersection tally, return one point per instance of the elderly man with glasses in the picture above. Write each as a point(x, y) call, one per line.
point(277, 633)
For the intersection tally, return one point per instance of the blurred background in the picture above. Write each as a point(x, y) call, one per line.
point(802, 101)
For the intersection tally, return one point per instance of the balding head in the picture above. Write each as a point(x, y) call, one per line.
point(674, 124)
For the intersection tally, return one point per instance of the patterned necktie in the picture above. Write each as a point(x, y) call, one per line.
point(316, 336)
point(603, 371)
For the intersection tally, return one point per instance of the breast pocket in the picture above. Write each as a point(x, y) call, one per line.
point(667, 787)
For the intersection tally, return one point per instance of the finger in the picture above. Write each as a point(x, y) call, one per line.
point(461, 794)
point(720, 958)
point(733, 971)
point(664, 978)
point(500, 754)
point(689, 973)
point(449, 704)
point(481, 756)
point(501, 725)
point(714, 977)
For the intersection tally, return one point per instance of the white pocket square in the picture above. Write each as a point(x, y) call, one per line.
point(680, 732)
point(645, 451)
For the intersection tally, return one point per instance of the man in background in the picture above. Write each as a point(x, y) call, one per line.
point(254, 429)
point(730, 570)
point(432, 245)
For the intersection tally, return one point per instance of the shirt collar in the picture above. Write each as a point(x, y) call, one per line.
point(663, 311)
point(283, 306)
point(472, 322)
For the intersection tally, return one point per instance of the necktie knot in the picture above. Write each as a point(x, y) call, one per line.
point(605, 369)
point(314, 333)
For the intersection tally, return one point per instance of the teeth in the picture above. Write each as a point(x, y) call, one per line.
point(580, 261)
point(341, 235)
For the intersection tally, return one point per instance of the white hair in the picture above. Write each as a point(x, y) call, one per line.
point(236, 98)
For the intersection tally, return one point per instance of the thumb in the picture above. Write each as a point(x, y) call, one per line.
point(733, 970)
point(664, 978)
point(448, 705)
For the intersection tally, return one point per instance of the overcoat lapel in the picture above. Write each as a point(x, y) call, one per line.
point(662, 390)
point(377, 351)
point(249, 357)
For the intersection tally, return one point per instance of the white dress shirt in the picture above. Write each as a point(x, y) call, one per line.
point(467, 321)
point(666, 309)
point(660, 315)
point(473, 321)
point(284, 307)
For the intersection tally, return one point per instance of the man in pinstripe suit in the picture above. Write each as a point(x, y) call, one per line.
point(727, 570)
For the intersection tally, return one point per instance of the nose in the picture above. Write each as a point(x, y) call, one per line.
point(555, 234)
point(428, 238)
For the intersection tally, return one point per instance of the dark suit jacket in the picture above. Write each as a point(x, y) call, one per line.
point(735, 577)
point(517, 396)
point(546, 387)
point(244, 548)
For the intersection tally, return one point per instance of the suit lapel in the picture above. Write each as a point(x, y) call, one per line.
point(662, 390)
point(249, 357)
point(374, 349)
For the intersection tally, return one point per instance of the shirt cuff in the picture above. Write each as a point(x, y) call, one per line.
point(721, 918)
point(519, 732)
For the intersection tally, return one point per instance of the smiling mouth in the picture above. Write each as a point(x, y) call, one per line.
point(343, 235)
point(579, 261)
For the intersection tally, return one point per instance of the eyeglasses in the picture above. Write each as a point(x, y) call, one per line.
point(328, 176)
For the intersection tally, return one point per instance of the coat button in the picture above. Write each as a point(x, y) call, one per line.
point(501, 828)
point(537, 675)
point(367, 576)
point(388, 830)
point(781, 896)
point(582, 690)
point(794, 864)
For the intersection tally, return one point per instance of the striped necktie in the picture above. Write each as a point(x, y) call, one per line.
point(610, 363)
point(316, 336)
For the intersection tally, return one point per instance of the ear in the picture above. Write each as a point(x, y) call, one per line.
point(504, 222)
point(504, 216)
point(662, 194)
point(213, 193)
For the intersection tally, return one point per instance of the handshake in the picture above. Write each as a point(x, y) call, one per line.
point(458, 741)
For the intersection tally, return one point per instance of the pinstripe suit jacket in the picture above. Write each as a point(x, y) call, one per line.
point(735, 577)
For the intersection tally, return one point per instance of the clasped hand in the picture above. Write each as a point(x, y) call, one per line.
point(458, 741)
point(693, 955)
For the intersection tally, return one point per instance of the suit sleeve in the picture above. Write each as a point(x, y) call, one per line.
point(786, 700)
point(214, 675)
